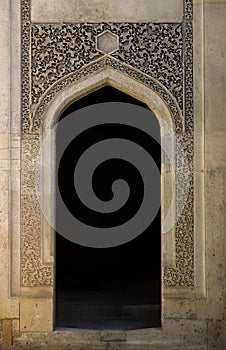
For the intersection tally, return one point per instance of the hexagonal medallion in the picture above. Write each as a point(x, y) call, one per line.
point(107, 42)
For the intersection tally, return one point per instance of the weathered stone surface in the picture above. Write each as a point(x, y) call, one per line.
point(216, 335)
point(35, 315)
point(109, 336)
point(102, 11)
point(153, 69)
point(107, 42)
point(7, 332)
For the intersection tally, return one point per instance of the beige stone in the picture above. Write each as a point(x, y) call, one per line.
point(179, 308)
point(4, 141)
point(102, 11)
point(4, 67)
point(109, 336)
point(214, 249)
point(215, 78)
point(7, 332)
point(8, 307)
point(216, 335)
point(36, 315)
point(188, 333)
point(193, 318)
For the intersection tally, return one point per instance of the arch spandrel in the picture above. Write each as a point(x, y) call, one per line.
point(71, 89)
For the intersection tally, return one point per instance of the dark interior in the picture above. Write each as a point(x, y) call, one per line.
point(109, 288)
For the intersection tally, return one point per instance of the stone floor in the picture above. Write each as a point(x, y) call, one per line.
point(116, 307)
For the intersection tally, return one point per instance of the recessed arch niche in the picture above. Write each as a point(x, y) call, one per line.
point(118, 286)
point(163, 105)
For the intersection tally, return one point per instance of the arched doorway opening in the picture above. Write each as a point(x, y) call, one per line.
point(116, 287)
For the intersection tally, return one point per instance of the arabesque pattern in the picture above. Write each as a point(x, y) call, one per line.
point(159, 56)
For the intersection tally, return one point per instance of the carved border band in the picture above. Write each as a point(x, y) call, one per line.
point(33, 272)
point(53, 56)
point(188, 9)
point(107, 62)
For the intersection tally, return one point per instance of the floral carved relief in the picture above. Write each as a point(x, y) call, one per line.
point(157, 55)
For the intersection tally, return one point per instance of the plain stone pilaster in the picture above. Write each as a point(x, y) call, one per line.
point(9, 308)
point(215, 157)
point(7, 332)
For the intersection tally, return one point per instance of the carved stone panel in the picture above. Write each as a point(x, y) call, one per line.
point(33, 273)
point(154, 49)
point(157, 55)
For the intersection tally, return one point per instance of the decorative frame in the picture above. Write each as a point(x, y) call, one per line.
point(38, 90)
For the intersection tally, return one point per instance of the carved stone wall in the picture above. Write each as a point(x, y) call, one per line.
point(155, 49)
point(160, 52)
point(33, 272)
point(56, 55)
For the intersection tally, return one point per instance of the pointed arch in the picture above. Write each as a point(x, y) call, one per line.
point(102, 73)
point(67, 91)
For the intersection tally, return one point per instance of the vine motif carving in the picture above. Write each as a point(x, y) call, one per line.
point(188, 77)
point(33, 273)
point(142, 45)
point(100, 65)
point(26, 6)
point(155, 49)
point(188, 9)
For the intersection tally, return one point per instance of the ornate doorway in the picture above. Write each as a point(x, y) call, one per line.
point(118, 286)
